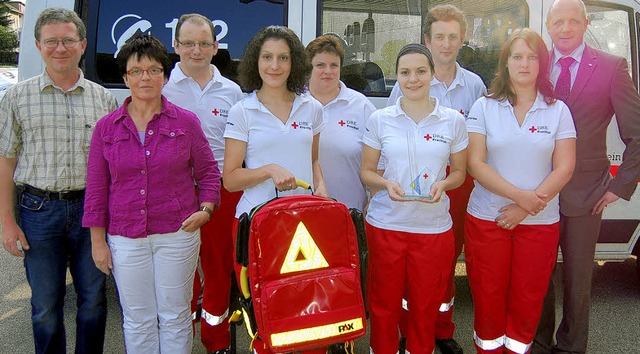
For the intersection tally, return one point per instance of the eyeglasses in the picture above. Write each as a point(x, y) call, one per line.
point(137, 72)
point(192, 44)
point(66, 42)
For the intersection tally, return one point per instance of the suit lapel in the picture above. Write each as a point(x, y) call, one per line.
point(587, 65)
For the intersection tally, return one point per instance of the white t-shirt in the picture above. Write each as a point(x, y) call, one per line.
point(271, 141)
point(414, 153)
point(340, 154)
point(210, 104)
point(522, 155)
point(463, 92)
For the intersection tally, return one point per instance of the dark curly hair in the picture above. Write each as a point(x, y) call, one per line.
point(248, 73)
point(144, 45)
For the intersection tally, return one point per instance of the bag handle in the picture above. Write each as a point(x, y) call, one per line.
point(299, 184)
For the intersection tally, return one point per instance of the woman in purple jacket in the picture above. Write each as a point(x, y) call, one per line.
point(141, 204)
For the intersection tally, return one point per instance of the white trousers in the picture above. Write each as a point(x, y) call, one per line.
point(154, 277)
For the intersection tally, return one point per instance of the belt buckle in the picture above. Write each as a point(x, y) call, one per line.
point(65, 195)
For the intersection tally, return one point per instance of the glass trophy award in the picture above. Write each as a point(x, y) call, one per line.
point(422, 177)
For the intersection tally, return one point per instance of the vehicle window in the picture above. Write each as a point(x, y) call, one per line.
point(374, 31)
point(610, 29)
point(235, 22)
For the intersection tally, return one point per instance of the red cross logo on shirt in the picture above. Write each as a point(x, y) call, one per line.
point(425, 176)
point(342, 123)
point(533, 129)
point(295, 125)
point(215, 111)
point(428, 137)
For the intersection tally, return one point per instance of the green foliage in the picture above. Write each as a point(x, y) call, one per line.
point(5, 20)
point(8, 39)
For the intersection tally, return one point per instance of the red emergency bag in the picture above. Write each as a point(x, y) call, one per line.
point(301, 273)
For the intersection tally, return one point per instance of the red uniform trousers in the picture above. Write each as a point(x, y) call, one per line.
point(420, 263)
point(216, 265)
point(509, 272)
point(259, 346)
point(459, 199)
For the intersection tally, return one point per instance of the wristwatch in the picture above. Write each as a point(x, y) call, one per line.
point(206, 209)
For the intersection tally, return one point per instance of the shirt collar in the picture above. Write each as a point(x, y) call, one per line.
point(344, 93)
point(458, 80)
point(252, 102)
point(539, 103)
point(400, 112)
point(576, 54)
point(46, 82)
point(178, 75)
point(168, 109)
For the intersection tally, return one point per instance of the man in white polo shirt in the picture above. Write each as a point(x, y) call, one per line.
point(457, 88)
point(197, 85)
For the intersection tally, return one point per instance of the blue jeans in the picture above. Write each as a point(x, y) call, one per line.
point(56, 238)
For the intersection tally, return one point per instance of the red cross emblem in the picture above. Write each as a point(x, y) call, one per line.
point(295, 125)
point(215, 112)
point(533, 129)
point(342, 123)
point(425, 176)
point(428, 137)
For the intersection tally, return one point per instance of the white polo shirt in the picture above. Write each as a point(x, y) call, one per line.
point(414, 152)
point(340, 154)
point(271, 141)
point(463, 92)
point(210, 104)
point(522, 155)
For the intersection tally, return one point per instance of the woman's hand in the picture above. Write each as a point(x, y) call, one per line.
point(531, 201)
point(281, 177)
point(510, 216)
point(195, 221)
point(436, 192)
point(395, 191)
point(102, 256)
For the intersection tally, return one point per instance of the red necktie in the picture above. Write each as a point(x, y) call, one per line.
point(563, 85)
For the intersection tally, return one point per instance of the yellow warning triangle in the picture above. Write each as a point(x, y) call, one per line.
point(303, 253)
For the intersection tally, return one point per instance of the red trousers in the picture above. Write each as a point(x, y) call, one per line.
point(459, 198)
point(216, 264)
point(509, 272)
point(420, 263)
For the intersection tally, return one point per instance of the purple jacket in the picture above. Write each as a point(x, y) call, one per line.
point(135, 190)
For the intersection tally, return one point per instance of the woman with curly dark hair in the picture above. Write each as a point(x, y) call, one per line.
point(275, 130)
point(249, 72)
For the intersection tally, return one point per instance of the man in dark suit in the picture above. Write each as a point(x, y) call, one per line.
point(595, 85)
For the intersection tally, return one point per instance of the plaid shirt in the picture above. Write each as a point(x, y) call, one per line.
point(48, 130)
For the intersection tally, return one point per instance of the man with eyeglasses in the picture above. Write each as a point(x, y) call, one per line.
point(197, 85)
point(45, 129)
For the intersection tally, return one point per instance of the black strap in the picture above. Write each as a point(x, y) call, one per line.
point(242, 240)
point(363, 249)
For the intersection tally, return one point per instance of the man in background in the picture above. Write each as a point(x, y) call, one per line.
point(197, 85)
